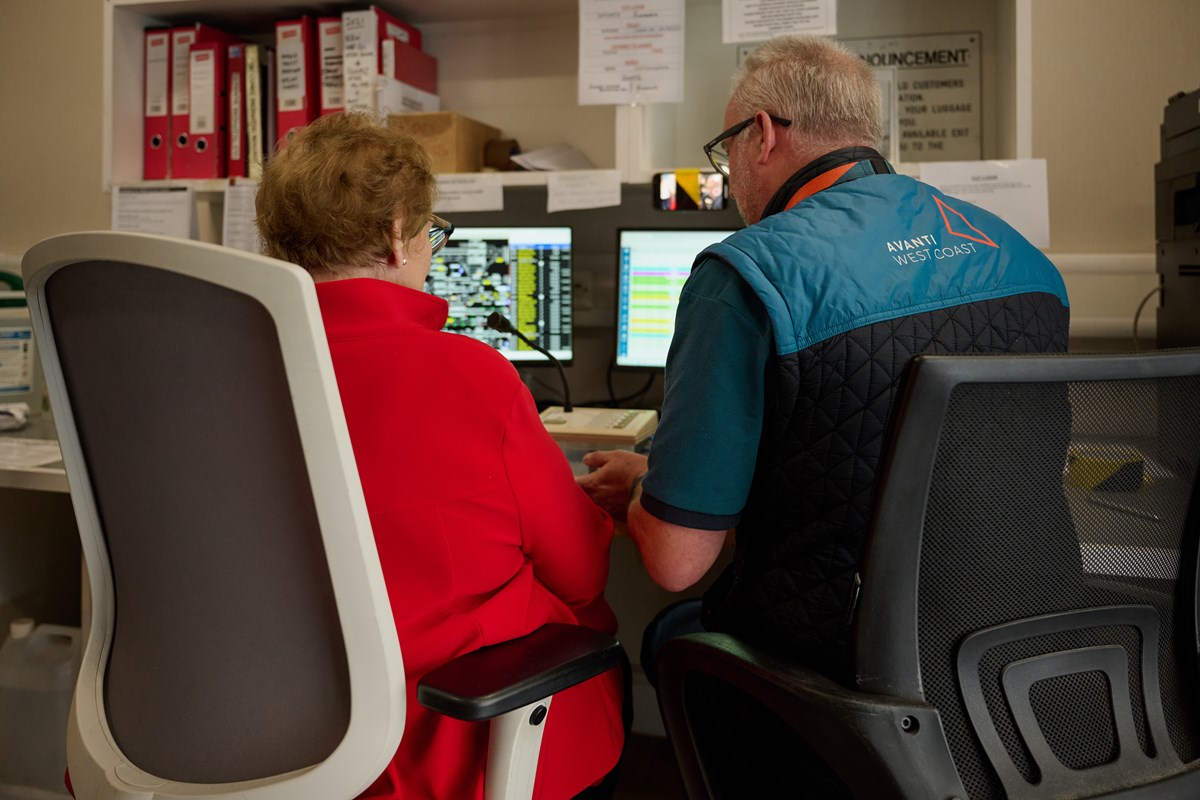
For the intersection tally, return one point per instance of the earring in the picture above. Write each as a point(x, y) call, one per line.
point(404, 261)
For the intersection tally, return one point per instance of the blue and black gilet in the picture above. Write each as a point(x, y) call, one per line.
point(856, 278)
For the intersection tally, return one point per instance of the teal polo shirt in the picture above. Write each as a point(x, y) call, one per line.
point(703, 456)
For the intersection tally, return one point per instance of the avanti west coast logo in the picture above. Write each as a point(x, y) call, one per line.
point(961, 238)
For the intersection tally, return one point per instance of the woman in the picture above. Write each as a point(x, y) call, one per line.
point(482, 533)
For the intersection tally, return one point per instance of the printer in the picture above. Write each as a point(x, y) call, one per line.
point(1177, 222)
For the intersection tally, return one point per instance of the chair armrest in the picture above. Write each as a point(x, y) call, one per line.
point(883, 747)
point(495, 680)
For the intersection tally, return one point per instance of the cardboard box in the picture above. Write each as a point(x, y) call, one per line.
point(455, 143)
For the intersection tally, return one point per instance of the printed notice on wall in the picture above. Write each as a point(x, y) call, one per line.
point(630, 52)
point(890, 144)
point(937, 92)
point(1015, 191)
point(759, 20)
point(585, 188)
point(16, 361)
point(164, 210)
point(238, 228)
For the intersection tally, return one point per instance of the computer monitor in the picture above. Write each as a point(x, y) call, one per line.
point(522, 272)
point(653, 266)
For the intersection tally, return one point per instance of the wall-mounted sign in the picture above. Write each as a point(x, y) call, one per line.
point(630, 52)
point(759, 20)
point(937, 92)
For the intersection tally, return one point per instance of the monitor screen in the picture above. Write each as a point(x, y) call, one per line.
point(524, 273)
point(653, 266)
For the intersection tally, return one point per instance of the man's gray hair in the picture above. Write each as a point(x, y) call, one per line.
point(829, 93)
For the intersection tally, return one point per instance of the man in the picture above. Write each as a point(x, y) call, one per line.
point(791, 337)
point(713, 195)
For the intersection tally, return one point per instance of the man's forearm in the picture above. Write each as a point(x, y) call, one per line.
point(675, 557)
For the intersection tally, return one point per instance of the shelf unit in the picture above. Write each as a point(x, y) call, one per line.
point(125, 21)
point(512, 64)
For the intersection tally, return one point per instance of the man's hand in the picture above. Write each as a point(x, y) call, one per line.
point(609, 483)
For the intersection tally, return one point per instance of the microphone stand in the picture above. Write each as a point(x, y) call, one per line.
point(498, 322)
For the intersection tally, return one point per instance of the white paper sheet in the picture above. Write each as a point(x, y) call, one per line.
point(759, 20)
point(16, 357)
point(1014, 190)
point(483, 191)
point(555, 157)
point(18, 453)
point(585, 188)
point(396, 97)
point(630, 52)
point(164, 210)
point(239, 229)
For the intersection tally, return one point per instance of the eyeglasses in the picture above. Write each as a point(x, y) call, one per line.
point(439, 232)
point(717, 150)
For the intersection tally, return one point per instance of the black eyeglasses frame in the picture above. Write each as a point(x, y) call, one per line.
point(721, 164)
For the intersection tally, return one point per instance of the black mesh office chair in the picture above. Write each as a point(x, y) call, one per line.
point(241, 642)
point(1027, 626)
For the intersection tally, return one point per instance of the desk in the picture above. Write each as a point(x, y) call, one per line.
point(39, 542)
point(40, 562)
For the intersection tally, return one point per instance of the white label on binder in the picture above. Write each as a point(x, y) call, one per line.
point(183, 41)
point(332, 90)
point(290, 53)
point(203, 80)
point(360, 59)
point(156, 75)
point(235, 116)
point(394, 31)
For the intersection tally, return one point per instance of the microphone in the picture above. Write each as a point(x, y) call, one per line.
point(498, 322)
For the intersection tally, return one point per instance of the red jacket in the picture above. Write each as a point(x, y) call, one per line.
point(482, 533)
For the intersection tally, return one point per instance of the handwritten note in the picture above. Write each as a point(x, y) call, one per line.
point(630, 52)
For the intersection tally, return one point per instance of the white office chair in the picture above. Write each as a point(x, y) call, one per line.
point(241, 642)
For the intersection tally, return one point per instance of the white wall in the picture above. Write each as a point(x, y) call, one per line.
point(1103, 70)
point(50, 84)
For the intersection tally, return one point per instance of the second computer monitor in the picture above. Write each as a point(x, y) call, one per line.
point(522, 272)
point(653, 266)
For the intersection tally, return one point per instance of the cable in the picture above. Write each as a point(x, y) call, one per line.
point(637, 396)
point(554, 394)
point(612, 402)
point(612, 393)
point(1137, 315)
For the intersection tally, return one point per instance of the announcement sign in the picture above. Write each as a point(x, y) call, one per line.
point(937, 91)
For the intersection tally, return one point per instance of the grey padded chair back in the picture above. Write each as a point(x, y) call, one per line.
point(226, 626)
point(1032, 569)
point(242, 636)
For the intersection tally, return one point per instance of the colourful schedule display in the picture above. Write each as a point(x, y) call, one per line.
point(654, 265)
